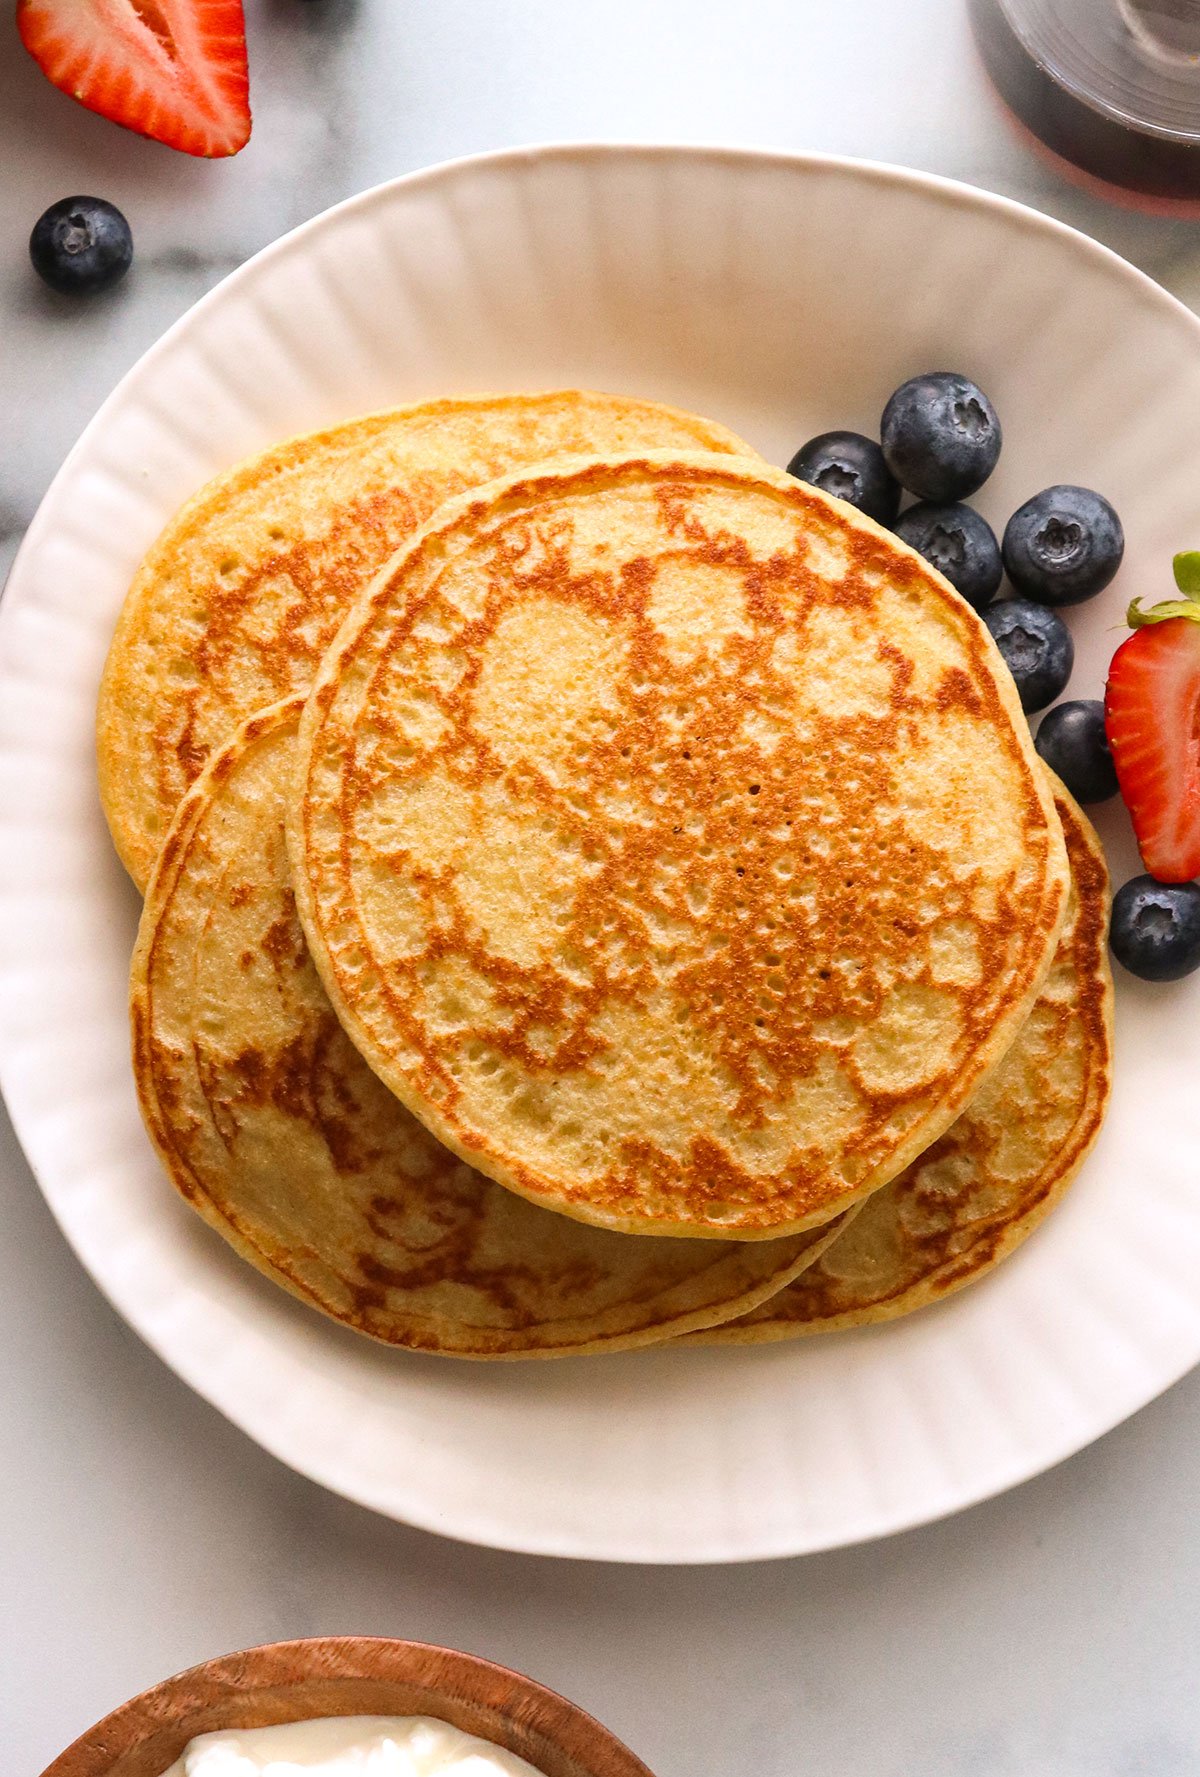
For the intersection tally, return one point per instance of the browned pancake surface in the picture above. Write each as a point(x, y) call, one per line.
point(997, 1173)
point(670, 839)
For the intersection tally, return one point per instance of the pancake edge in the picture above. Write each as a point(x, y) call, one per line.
point(485, 1344)
point(135, 855)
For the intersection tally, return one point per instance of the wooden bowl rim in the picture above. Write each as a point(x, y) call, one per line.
point(278, 1665)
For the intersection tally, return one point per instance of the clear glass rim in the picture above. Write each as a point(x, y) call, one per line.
point(1045, 52)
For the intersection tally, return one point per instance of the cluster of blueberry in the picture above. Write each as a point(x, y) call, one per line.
point(940, 439)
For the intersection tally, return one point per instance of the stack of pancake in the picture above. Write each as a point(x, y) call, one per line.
point(598, 889)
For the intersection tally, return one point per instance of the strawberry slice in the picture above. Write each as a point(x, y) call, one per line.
point(1152, 717)
point(171, 69)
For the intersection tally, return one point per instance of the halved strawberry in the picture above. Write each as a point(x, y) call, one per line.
point(1152, 717)
point(171, 69)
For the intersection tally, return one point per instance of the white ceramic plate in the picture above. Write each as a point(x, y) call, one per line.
point(782, 296)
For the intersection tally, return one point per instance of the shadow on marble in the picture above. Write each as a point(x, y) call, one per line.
point(330, 17)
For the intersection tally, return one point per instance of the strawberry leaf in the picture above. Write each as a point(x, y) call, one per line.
point(1162, 613)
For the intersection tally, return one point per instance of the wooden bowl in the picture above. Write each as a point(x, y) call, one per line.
point(347, 1675)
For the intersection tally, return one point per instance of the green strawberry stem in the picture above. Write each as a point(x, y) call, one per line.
point(1187, 572)
point(1187, 579)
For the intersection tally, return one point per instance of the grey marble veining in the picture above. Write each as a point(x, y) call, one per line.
point(1050, 1633)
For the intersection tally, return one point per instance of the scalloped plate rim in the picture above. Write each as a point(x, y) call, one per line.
point(1001, 1475)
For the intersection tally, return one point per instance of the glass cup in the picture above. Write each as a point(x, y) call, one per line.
point(1111, 85)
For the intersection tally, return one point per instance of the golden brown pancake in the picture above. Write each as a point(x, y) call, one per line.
point(991, 1179)
point(273, 1127)
point(238, 599)
point(670, 839)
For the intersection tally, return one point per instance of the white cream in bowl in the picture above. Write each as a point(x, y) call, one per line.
point(348, 1746)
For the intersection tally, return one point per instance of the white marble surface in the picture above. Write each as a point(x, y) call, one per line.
point(1050, 1632)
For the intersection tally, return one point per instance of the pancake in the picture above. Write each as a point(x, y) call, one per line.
point(239, 597)
point(987, 1184)
point(273, 1127)
point(670, 839)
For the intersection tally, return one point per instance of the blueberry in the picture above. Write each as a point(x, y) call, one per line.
point(81, 245)
point(1063, 546)
point(940, 436)
point(1155, 930)
point(1074, 745)
point(1037, 649)
point(851, 467)
point(960, 544)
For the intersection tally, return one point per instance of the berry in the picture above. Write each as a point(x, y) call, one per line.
point(81, 245)
point(1074, 745)
point(851, 468)
point(1063, 546)
point(940, 436)
point(173, 69)
point(1155, 929)
point(1152, 713)
point(960, 544)
point(1037, 649)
